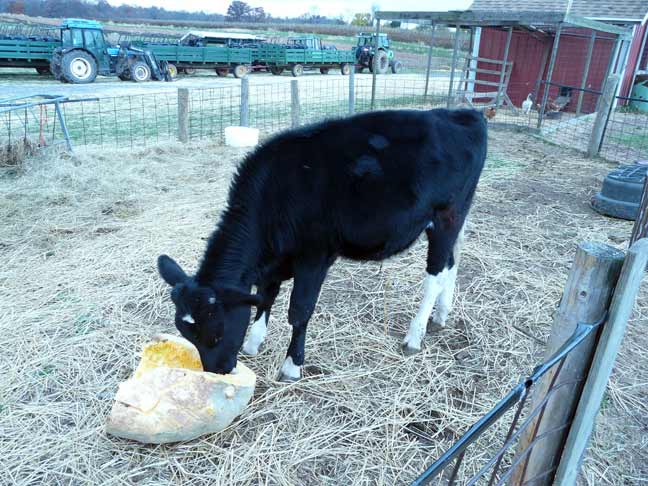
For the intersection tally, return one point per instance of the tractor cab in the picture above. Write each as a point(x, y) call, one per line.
point(88, 36)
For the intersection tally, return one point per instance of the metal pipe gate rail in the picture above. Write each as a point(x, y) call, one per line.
point(25, 108)
point(573, 442)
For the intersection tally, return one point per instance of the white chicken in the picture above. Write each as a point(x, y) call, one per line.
point(527, 105)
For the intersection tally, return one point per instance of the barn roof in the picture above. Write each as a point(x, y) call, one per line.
point(610, 10)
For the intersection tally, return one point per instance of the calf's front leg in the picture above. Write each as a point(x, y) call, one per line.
point(309, 276)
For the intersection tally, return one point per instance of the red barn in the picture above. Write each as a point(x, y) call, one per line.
point(530, 49)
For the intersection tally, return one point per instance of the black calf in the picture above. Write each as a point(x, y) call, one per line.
point(363, 188)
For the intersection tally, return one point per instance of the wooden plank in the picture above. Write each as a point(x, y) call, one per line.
point(352, 91)
point(374, 70)
point(605, 103)
point(481, 82)
point(245, 102)
point(488, 60)
point(183, 115)
point(596, 25)
point(501, 86)
point(429, 62)
point(586, 297)
point(454, 63)
point(640, 228)
point(588, 61)
point(295, 107)
point(552, 63)
point(607, 348)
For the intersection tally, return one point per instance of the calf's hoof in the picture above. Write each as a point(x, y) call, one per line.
point(409, 350)
point(284, 378)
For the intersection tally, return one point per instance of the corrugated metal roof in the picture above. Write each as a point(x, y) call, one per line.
point(632, 10)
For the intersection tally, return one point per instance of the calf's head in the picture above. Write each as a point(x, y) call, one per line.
point(212, 318)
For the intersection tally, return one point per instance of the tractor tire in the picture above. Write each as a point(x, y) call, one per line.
point(240, 71)
point(140, 72)
point(43, 71)
point(276, 70)
point(324, 70)
point(173, 70)
point(359, 69)
point(345, 69)
point(381, 62)
point(396, 67)
point(222, 72)
point(78, 67)
point(297, 70)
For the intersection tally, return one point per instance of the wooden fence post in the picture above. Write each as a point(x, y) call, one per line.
point(640, 228)
point(245, 102)
point(586, 297)
point(605, 104)
point(352, 91)
point(183, 115)
point(295, 108)
point(607, 347)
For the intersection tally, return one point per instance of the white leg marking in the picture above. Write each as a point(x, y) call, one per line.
point(256, 335)
point(444, 300)
point(433, 286)
point(290, 370)
point(188, 319)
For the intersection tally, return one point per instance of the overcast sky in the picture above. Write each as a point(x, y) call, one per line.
point(293, 8)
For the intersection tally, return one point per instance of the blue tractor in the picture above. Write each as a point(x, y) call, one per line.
point(84, 54)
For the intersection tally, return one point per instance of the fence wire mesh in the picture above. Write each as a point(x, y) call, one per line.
point(626, 132)
point(501, 462)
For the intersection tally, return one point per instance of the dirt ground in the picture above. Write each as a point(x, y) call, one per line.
point(79, 294)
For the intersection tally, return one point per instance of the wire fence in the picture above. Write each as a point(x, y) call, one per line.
point(626, 131)
point(152, 118)
point(504, 461)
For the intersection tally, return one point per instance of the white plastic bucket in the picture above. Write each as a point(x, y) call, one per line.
point(241, 136)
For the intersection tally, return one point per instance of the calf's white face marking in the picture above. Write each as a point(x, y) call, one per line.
point(187, 318)
point(256, 335)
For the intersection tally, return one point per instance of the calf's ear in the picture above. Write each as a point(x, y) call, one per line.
point(170, 271)
point(234, 296)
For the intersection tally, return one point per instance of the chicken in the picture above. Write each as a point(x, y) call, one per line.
point(490, 112)
point(527, 105)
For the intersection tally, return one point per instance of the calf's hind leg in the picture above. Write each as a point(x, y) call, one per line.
point(438, 288)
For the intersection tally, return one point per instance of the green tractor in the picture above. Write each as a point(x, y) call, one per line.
point(84, 54)
point(369, 53)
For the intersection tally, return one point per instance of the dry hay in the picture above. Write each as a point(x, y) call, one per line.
point(13, 154)
point(79, 294)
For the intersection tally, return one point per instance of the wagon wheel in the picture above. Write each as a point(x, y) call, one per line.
point(276, 70)
point(324, 70)
point(189, 71)
point(240, 71)
point(345, 69)
point(222, 72)
point(297, 70)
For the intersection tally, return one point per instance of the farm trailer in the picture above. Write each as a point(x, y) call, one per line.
point(278, 58)
point(221, 59)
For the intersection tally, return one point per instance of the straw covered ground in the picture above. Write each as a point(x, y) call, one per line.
point(79, 295)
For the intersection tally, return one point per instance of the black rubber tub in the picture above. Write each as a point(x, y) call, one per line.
point(621, 192)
